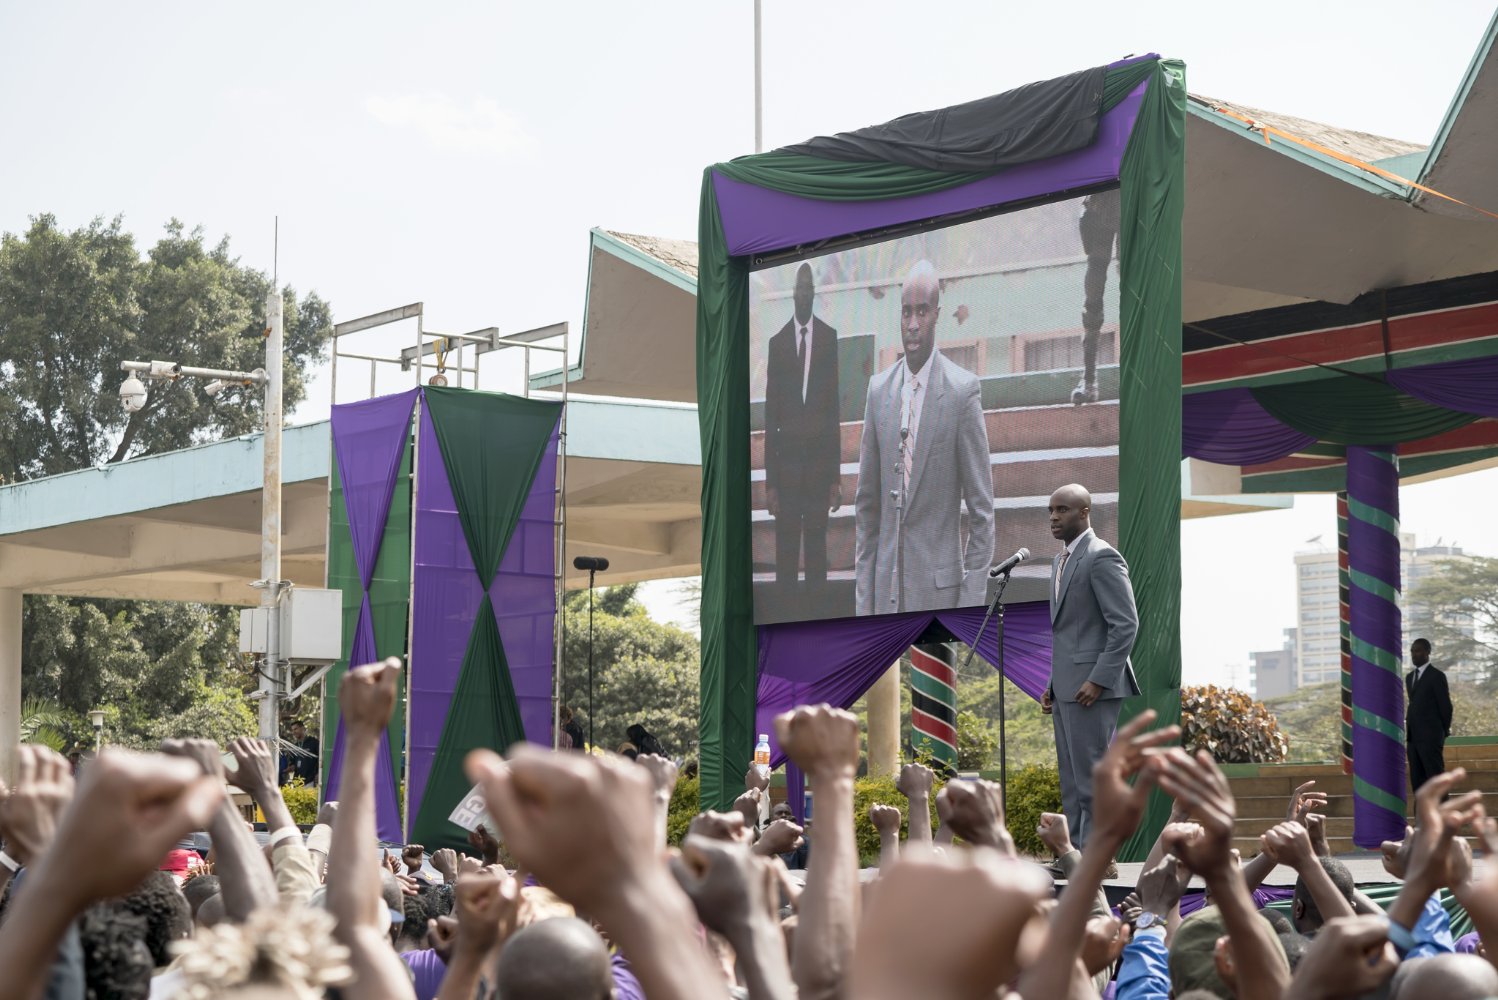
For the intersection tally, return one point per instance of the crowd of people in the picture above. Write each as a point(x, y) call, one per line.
point(97, 903)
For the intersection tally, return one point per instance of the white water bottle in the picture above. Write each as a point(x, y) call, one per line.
point(762, 755)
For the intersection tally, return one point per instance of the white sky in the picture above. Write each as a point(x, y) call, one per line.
point(458, 153)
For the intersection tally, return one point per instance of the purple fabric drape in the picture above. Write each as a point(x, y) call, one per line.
point(1228, 426)
point(757, 219)
point(368, 439)
point(1470, 385)
point(447, 596)
point(1195, 899)
point(835, 661)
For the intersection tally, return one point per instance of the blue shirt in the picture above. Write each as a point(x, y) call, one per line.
point(1145, 972)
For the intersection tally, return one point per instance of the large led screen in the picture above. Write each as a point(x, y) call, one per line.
point(915, 401)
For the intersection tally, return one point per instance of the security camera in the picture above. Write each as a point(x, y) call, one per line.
point(215, 387)
point(132, 394)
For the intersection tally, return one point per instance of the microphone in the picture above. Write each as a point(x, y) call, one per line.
point(1009, 564)
point(599, 563)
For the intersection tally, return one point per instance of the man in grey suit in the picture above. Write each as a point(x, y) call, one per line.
point(924, 457)
point(1093, 624)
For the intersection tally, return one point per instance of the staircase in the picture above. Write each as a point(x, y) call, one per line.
point(1263, 791)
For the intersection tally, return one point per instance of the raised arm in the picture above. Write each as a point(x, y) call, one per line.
point(296, 878)
point(1206, 849)
point(735, 894)
point(1118, 807)
point(582, 824)
point(367, 699)
point(915, 783)
point(823, 741)
point(238, 861)
point(1289, 844)
point(129, 811)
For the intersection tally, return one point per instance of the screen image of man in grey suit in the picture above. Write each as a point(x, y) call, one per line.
point(924, 457)
point(1093, 625)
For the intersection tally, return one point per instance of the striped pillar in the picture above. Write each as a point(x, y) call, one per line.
point(1344, 626)
point(933, 703)
point(1378, 779)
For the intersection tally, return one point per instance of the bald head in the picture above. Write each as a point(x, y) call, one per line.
point(1070, 511)
point(1449, 976)
point(806, 292)
point(559, 959)
point(920, 305)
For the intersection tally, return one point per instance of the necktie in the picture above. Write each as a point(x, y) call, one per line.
point(801, 361)
point(1065, 555)
point(912, 420)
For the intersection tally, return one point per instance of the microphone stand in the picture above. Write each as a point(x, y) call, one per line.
point(996, 609)
point(899, 499)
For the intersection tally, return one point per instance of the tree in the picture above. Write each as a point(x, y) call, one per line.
point(73, 305)
point(1456, 608)
point(643, 671)
point(156, 669)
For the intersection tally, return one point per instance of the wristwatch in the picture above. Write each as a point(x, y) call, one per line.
point(1147, 920)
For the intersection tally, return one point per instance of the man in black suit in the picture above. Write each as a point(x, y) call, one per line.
point(1427, 718)
point(802, 439)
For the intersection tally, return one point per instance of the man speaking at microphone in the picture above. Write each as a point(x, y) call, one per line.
point(923, 458)
point(1093, 624)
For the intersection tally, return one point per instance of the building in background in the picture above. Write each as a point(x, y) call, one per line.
point(1271, 672)
point(1318, 651)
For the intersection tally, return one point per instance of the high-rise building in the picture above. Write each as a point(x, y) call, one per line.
point(1318, 642)
point(1271, 672)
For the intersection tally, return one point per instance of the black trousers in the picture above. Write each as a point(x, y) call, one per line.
point(1427, 759)
point(803, 516)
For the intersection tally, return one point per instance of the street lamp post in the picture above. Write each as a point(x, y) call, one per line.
point(271, 586)
point(96, 719)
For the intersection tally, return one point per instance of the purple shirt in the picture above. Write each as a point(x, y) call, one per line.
point(427, 971)
point(626, 986)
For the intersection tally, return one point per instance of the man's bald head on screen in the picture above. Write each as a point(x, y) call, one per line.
point(920, 305)
point(806, 291)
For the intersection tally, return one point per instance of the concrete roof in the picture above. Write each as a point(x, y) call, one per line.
point(186, 525)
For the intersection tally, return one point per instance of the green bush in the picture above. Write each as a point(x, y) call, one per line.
point(302, 801)
point(686, 801)
point(866, 792)
point(1032, 790)
point(1231, 726)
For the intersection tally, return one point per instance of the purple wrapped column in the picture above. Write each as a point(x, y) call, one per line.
point(1378, 753)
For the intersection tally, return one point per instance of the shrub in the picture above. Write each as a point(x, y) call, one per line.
point(302, 801)
point(1231, 726)
point(1032, 790)
point(686, 801)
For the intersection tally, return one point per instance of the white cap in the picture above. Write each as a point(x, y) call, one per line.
point(764, 737)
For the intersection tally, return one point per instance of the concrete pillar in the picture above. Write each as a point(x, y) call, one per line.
point(884, 723)
point(10, 682)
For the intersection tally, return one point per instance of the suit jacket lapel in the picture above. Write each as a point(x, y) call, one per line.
point(1069, 573)
point(936, 385)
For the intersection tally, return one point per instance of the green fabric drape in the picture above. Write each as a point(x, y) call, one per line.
point(1150, 490)
point(389, 600)
point(1351, 410)
point(1152, 180)
point(729, 684)
point(839, 180)
point(483, 714)
point(492, 444)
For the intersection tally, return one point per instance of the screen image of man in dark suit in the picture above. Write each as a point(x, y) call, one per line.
point(1427, 718)
point(923, 460)
point(802, 439)
point(1093, 626)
